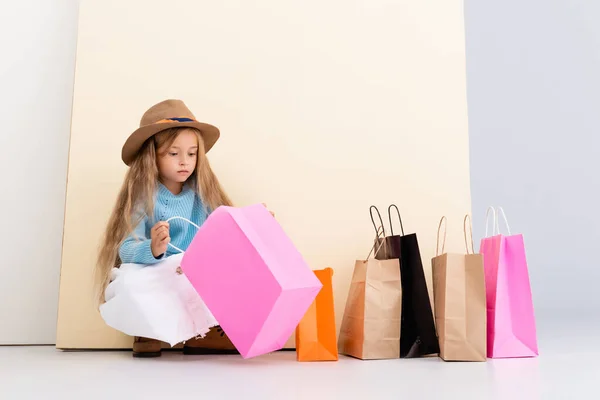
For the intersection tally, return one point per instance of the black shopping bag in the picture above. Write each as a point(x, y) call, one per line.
point(418, 336)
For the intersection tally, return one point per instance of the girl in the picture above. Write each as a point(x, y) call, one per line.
point(169, 176)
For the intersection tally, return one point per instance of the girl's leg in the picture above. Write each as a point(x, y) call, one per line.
point(146, 348)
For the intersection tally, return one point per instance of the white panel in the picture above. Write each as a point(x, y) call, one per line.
point(38, 40)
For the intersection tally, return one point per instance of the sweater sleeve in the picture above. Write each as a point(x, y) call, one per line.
point(136, 247)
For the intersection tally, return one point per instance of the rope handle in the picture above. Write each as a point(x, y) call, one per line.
point(373, 220)
point(183, 219)
point(468, 217)
point(380, 235)
point(501, 210)
point(437, 247)
point(445, 222)
point(491, 211)
point(494, 211)
point(399, 218)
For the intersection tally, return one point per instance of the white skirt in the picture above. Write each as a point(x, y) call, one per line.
point(156, 302)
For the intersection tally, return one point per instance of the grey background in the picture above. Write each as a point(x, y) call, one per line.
point(533, 77)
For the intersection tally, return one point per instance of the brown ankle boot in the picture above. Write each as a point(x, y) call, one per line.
point(215, 342)
point(146, 348)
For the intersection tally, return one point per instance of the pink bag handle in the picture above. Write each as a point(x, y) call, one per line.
point(491, 211)
point(498, 220)
point(183, 219)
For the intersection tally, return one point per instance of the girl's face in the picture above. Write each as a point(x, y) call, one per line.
point(177, 162)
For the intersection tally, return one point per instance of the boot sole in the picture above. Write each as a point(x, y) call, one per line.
point(147, 354)
point(199, 351)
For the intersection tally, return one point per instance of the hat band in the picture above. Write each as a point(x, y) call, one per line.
point(177, 119)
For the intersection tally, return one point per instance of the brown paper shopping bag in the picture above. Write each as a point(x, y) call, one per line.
point(460, 302)
point(417, 331)
point(371, 324)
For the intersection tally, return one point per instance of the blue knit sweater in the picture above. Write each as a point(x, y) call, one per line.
point(136, 247)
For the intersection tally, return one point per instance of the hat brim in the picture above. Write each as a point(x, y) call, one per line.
point(210, 135)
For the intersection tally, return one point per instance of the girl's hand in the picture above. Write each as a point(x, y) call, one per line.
point(159, 234)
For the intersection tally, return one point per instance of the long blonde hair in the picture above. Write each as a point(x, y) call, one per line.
point(137, 196)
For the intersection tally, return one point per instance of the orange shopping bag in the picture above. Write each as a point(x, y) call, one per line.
point(316, 334)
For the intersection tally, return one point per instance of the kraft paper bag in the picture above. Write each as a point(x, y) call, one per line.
point(371, 323)
point(460, 302)
point(251, 277)
point(316, 335)
point(511, 330)
point(418, 336)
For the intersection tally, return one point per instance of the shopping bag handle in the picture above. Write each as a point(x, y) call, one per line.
point(183, 219)
point(468, 218)
point(399, 218)
point(500, 209)
point(380, 235)
point(445, 222)
point(494, 213)
point(437, 246)
point(373, 220)
point(495, 220)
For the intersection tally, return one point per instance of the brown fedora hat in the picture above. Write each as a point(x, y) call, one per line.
point(164, 115)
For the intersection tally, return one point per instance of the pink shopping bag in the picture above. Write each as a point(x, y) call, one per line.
point(511, 330)
point(251, 277)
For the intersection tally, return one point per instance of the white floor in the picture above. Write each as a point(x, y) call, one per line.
point(568, 368)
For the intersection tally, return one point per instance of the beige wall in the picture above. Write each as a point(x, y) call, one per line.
point(325, 108)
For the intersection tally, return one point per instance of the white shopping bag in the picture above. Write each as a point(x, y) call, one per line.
point(156, 302)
